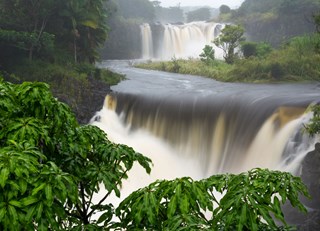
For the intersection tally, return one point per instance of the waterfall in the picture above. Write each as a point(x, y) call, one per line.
point(199, 138)
point(146, 41)
point(178, 41)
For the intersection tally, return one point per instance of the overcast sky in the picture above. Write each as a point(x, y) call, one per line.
point(211, 3)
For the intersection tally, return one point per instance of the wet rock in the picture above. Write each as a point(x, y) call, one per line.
point(310, 175)
point(84, 97)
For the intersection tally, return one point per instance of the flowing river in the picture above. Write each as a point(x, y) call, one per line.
point(195, 126)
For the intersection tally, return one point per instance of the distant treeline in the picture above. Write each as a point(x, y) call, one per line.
point(275, 21)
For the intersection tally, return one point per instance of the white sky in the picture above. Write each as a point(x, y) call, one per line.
point(211, 3)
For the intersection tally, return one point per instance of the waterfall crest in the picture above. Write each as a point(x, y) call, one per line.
point(217, 136)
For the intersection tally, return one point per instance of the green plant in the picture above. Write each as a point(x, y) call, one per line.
point(250, 201)
point(229, 40)
point(207, 56)
point(175, 65)
point(313, 127)
point(51, 167)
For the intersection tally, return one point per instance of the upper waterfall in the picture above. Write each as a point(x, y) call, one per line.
point(178, 40)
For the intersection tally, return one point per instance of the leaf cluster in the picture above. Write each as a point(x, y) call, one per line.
point(313, 127)
point(249, 201)
point(207, 56)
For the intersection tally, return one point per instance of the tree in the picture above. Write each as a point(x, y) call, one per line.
point(137, 9)
point(207, 55)
point(202, 14)
point(86, 22)
point(224, 9)
point(249, 49)
point(51, 167)
point(78, 25)
point(229, 40)
point(28, 20)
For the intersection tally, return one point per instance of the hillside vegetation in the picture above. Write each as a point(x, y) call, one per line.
point(275, 21)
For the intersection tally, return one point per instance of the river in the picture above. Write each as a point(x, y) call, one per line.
point(195, 126)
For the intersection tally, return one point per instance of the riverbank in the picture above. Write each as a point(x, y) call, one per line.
point(83, 87)
point(246, 71)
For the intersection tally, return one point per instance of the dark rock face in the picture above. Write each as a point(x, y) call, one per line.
point(310, 175)
point(85, 97)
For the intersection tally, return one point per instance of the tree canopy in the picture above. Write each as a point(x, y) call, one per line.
point(202, 14)
point(229, 40)
point(77, 26)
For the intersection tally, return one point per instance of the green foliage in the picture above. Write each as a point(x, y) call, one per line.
point(43, 155)
point(313, 127)
point(25, 40)
point(260, 50)
point(250, 201)
point(136, 9)
point(77, 26)
point(217, 68)
point(175, 65)
point(297, 60)
point(224, 9)
point(249, 49)
point(229, 40)
point(169, 15)
point(284, 18)
point(202, 14)
point(207, 56)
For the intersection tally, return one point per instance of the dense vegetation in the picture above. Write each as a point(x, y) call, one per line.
point(52, 168)
point(275, 21)
point(57, 35)
point(56, 42)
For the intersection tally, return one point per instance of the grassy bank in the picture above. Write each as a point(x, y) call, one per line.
point(216, 69)
point(53, 73)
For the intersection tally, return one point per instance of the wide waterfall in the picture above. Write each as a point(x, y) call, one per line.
point(178, 40)
point(199, 138)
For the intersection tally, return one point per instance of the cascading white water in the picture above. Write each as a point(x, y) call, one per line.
point(146, 41)
point(180, 41)
point(266, 150)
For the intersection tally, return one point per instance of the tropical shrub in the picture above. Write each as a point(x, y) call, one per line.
point(51, 168)
point(207, 55)
point(249, 201)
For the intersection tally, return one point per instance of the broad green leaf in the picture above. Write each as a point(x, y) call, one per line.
point(48, 193)
point(3, 212)
point(13, 214)
point(15, 203)
point(4, 174)
point(172, 206)
point(29, 200)
point(39, 188)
